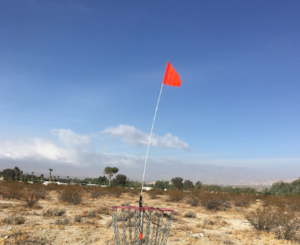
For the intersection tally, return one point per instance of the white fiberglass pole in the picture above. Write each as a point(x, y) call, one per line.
point(149, 142)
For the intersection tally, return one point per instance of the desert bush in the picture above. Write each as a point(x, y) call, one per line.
point(175, 195)
point(97, 192)
point(190, 214)
point(292, 202)
point(269, 201)
point(194, 198)
point(153, 193)
point(71, 194)
point(115, 191)
point(287, 225)
point(77, 219)
point(40, 190)
point(242, 200)
point(31, 198)
point(54, 212)
point(262, 218)
point(212, 200)
point(134, 192)
point(103, 210)
point(64, 221)
point(13, 220)
point(12, 190)
point(91, 214)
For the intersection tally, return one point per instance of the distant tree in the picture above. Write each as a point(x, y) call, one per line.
point(32, 173)
point(16, 173)
point(42, 177)
point(102, 180)
point(21, 175)
point(50, 170)
point(8, 174)
point(110, 172)
point(198, 184)
point(177, 182)
point(159, 185)
point(58, 178)
point(188, 185)
point(120, 180)
point(67, 179)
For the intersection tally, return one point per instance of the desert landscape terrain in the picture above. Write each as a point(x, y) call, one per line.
point(37, 214)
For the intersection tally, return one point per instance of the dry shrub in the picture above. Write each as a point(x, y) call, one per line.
point(220, 239)
point(286, 224)
point(212, 201)
point(194, 198)
point(153, 193)
point(283, 222)
point(77, 219)
point(97, 192)
point(262, 218)
point(115, 191)
point(13, 220)
point(242, 200)
point(40, 190)
point(175, 195)
point(71, 194)
point(292, 203)
point(31, 198)
point(12, 190)
point(134, 192)
point(272, 201)
point(103, 210)
point(89, 214)
point(54, 212)
point(64, 221)
point(190, 214)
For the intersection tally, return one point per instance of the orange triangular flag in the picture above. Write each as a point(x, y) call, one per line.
point(171, 76)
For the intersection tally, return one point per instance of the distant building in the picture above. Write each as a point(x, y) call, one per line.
point(1, 178)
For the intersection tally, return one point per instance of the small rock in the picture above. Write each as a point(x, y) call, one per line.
point(41, 229)
point(238, 209)
point(6, 237)
point(9, 228)
point(197, 235)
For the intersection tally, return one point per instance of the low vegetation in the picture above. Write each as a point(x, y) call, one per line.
point(198, 208)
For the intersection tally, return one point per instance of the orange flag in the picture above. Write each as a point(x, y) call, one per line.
point(171, 76)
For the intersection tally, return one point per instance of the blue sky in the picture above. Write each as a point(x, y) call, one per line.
point(82, 67)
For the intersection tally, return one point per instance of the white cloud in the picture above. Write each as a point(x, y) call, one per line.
point(131, 135)
point(37, 148)
point(72, 140)
point(77, 151)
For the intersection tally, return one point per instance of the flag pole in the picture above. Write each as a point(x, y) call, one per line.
point(141, 196)
point(149, 142)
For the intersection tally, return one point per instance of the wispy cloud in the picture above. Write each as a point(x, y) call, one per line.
point(132, 135)
point(72, 140)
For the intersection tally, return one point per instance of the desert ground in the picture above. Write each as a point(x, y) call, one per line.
point(35, 214)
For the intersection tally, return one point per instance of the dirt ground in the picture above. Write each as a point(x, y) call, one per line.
point(217, 227)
